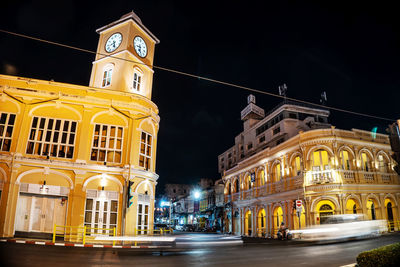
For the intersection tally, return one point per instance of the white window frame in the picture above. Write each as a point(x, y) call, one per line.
point(107, 149)
point(137, 81)
point(105, 223)
point(3, 132)
point(145, 156)
point(46, 135)
point(382, 164)
point(107, 75)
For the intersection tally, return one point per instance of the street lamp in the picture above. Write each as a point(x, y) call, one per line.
point(196, 194)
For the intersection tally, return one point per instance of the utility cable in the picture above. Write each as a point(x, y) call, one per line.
point(199, 77)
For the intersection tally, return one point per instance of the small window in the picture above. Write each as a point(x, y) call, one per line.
point(137, 81)
point(146, 141)
point(276, 130)
point(107, 74)
point(249, 146)
point(261, 139)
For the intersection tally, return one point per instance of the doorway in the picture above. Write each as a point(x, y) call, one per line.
point(101, 215)
point(38, 214)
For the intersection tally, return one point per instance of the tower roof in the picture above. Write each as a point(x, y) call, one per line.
point(131, 15)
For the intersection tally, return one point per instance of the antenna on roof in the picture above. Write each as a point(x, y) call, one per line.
point(282, 90)
point(323, 99)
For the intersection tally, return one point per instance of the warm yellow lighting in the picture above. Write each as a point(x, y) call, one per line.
point(103, 181)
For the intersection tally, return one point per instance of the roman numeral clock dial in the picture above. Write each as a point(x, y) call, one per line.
point(140, 46)
point(113, 42)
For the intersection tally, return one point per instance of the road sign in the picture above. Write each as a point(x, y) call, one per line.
point(299, 203)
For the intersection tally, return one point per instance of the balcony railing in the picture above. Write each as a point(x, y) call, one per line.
point(348, 176)
point(278, 186)
point(368, 177)
point(321, 177)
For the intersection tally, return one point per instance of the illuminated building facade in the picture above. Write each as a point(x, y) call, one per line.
point(73, 155)
point(293, 153)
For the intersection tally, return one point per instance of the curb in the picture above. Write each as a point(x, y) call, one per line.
point(43, 243)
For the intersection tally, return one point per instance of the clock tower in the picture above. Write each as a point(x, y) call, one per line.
point(125, 54)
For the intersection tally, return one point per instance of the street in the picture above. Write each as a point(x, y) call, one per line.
point(265, 254)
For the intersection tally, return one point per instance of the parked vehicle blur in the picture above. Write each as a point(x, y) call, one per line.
point(342, 227)
point(189, 228)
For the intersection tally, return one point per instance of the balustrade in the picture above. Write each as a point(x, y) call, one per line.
point(321, 177)
point(368, 177)
point(386, 177)
point(348, 176)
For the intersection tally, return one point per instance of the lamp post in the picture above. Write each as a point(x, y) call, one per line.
point(196, 195)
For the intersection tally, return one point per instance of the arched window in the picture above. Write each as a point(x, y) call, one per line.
point(365, 162)
point(107, 74)
point(277, 172)
point(236, 186)
point(382, 164)
point(345, 161)
point(296, 166)
point(137, 80)
point(320, 160)
point(261, 177)
point(248, 180)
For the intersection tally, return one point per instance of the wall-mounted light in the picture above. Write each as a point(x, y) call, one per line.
point(44, 189)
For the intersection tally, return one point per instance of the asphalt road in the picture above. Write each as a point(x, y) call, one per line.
point(268, 254)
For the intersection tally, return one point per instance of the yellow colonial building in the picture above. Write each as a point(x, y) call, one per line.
point(82, 155)
point(293, 153)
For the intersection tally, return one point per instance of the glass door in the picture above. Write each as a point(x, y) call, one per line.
point(143, 218)
point(100, 214)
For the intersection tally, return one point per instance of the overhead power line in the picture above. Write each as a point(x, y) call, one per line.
point(198, 77)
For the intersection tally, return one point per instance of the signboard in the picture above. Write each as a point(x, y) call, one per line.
point(253, 177)
point(299, 207)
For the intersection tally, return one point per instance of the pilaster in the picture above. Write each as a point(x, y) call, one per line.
point(9, 205)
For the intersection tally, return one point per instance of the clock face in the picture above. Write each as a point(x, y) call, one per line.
point(113, 42)
point(140, 46)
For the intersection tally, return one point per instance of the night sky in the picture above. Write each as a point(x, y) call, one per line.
point(350, 51)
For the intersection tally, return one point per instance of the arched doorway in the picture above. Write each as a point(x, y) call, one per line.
point(324, 209)
point(389, 213)
point(277, 219)
point(247, 223)
point(352, 206)
point(261, 223)
point(372, 209)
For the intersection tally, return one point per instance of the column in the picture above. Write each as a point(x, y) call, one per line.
point(9, 205)
point(76, 201)
point(383, 211)
point(270, 220)
point(290, 217)
point(364, 204)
